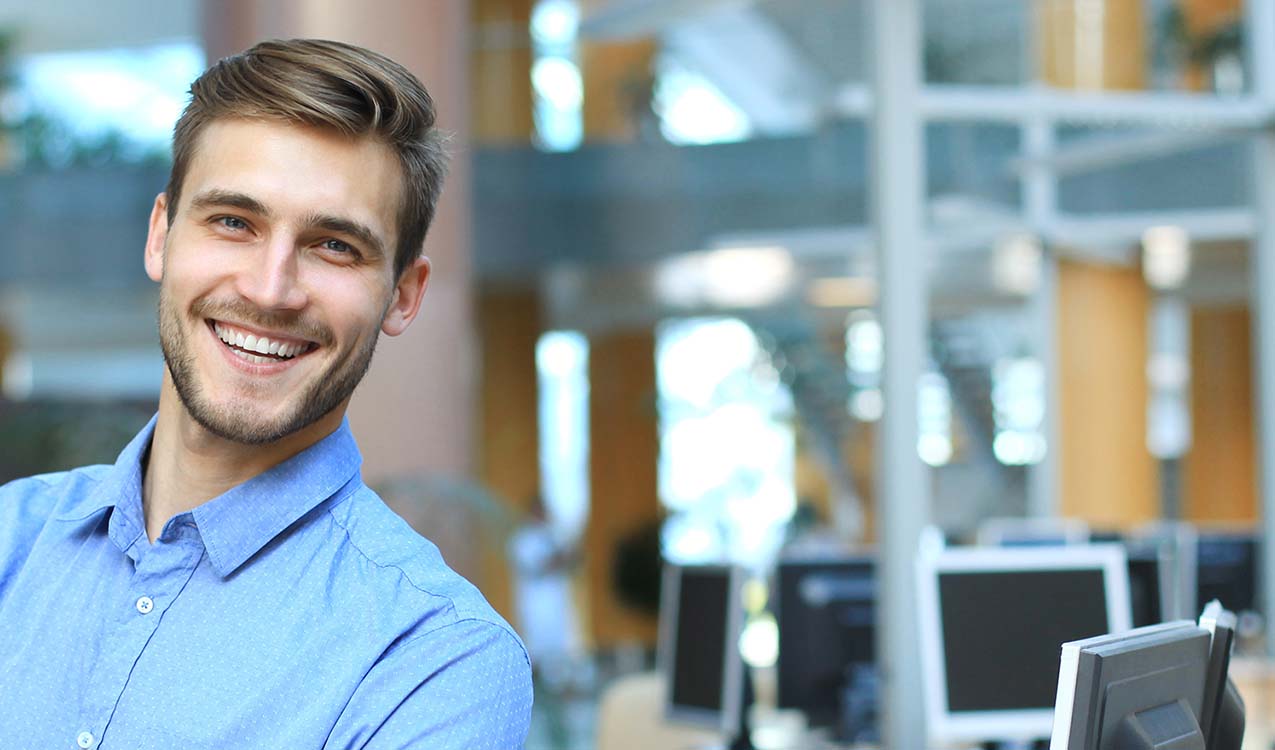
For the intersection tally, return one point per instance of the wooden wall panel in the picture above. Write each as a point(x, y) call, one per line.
point(1220, 472)
point(1093, 44)
point(501, 70)
point(624, 451)
point(509, 445)
point(1108, 476)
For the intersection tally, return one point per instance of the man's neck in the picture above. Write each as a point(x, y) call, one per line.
point(187, 465)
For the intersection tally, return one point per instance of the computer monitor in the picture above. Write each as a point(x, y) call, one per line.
point(1154, 687)
point(1032, 532)
point(701, 618)
point(1149, 580)
point(991, 623)
point(825, 609)
point(1226, 570)
point(1150, 575)
point(1222, 717)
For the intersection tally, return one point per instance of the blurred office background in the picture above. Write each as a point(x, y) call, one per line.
point(654, 323)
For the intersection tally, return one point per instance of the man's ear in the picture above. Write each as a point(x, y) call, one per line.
point(407, 297)
point(156, 236)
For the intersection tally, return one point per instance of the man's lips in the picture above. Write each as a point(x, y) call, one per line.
point(259, 347)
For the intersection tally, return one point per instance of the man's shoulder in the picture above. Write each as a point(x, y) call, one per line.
point(36, 497)
point(26, 507)
point(399, 555)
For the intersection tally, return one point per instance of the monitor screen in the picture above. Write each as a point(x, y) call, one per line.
point(1002, 630)
point(701, 616)
point(702, 607)
point(1145, 587)
point(826, 611)
point(992, 621)
point(1226, 570)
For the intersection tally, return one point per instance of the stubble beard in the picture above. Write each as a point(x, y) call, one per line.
point(238, 422)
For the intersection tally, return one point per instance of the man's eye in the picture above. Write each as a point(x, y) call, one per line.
point(232, 222)
point(337, 246)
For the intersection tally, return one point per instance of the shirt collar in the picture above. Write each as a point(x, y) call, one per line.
point(238, 523)
point(120, 483)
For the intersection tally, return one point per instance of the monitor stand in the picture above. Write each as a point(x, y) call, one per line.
point(743, 739)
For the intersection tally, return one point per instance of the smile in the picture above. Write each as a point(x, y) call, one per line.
point(259, 348)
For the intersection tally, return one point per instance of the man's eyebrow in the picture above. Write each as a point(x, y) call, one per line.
point(369, 239)
point(228, 198)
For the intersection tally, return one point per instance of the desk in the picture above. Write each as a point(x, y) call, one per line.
point(1254, 677)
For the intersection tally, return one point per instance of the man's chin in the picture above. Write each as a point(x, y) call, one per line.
point(242, 429)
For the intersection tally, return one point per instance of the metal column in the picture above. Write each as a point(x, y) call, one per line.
point(1259, 27)
point(903, 482)
point(1040, 198)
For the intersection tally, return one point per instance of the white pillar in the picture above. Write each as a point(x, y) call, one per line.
point(1259, 28)
point(903, 482)
point(1040, 201)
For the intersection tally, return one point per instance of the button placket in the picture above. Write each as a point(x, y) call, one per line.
point(161, 573)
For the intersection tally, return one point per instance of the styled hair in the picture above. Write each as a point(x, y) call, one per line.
point(330, 85)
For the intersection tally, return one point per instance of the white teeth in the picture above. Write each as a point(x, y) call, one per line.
point(259, 344)
point(253, 357)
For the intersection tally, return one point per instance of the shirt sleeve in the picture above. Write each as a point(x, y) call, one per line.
point(465, 686)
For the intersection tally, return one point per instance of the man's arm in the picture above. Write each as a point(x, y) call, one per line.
point(465, 686)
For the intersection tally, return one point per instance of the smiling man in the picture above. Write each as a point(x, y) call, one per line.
point(230, 582)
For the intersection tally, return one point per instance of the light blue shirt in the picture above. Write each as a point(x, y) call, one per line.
point(294, 611)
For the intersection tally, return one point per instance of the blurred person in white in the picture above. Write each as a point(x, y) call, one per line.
point(543, 563)
point(230, 581)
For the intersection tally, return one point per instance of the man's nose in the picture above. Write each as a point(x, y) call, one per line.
point(271, 279)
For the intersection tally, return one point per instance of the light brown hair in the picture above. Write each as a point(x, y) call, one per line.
point(331, 85)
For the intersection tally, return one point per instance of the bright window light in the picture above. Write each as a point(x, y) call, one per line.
point(865, 357)
point(693, 111)
point(556, 80)
point(1166, 256)
point(1018, 402)
point(865, 351)
point(934, 420)
point(555, 22)
point(562, 366)
point(759, 643)
point(727, 447)
point(137, 93)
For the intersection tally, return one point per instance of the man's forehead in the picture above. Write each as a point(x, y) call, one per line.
point(299, 169)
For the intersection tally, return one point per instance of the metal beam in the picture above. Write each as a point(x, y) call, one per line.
point(903, 482)
point(1111, 151)
point(1020, 105)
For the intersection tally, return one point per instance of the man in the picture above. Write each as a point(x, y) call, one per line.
point(230, 582)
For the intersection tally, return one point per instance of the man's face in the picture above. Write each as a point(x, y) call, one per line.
point(276, 276)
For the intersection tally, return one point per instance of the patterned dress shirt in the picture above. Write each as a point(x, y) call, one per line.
point(294, 611)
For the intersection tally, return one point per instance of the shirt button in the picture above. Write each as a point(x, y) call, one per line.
point(144, 605)
point(84, 740)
